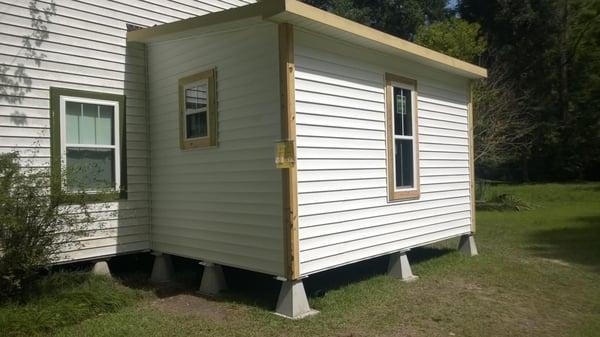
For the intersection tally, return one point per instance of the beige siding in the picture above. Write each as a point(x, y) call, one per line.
point(86, 49)
point(221, 204)
point(344, 212)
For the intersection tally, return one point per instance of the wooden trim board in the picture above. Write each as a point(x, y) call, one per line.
point(286, 11)
point(211, 138)
point(394, 195)
point(471, 128)
point(56, 163)
point(288, 133)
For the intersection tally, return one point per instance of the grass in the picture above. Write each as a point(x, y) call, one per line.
point(538, 274)
point(64, 299)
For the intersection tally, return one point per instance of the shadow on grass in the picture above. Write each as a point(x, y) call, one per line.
point(251, 288)
point(579, 243)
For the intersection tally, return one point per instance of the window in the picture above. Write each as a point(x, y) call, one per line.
point(402, 138)
point(87, 140)
point(198, 113)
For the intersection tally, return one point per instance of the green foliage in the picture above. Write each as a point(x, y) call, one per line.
point(63, 299)
point(397, 17)
point(549, 53)
point(489, 199)
point(455, 37)
point(34, 224)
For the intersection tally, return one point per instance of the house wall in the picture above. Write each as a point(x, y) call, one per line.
point(84, 47)
point(344, 213)
point(220, 204)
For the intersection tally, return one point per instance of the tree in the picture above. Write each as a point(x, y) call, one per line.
point(550, 52)
point(499, 133)
point(455, 37)
point(396, 17)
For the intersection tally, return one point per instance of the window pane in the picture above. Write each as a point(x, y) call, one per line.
point(196, 116)
point(73, 114)
point(196, 125)
point(87, 124)
point(105, 125)
point(90, 169)
point(402, 112)
point(404, 163)
point(90, 123)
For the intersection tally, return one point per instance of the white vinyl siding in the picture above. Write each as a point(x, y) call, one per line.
point(221, 204)
point(86, 49)
point(344, 213)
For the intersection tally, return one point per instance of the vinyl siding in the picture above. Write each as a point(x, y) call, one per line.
point(86, 49)
point(344, 213)
point(220, 204)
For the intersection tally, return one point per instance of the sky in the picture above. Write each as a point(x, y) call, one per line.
point(452, 3)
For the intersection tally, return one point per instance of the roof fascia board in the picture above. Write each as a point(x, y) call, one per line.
point(311, 13)
point(281, 11)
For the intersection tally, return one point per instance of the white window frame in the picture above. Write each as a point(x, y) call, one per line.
point(116, 146)
point(207, 109)
point(413, 138)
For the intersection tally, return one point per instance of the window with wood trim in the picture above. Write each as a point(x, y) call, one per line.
point(198, 110)
point(402, 138)
point(88, 146)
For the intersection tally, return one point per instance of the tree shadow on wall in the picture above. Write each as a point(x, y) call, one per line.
point(578, 243)
point(15, 82)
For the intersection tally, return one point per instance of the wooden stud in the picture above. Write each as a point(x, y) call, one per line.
point(288, 133)
point(389, 115)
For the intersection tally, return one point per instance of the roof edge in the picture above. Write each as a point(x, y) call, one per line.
point(337, 22)
point(275, 10)
point(233, 14)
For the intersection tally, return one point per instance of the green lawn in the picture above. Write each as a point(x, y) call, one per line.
point(538, 274)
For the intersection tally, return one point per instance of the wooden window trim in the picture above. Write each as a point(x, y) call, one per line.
point(393, 194)
point(211, 139)
point(56, 162)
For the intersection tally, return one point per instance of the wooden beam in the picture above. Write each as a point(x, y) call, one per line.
point(288, 133)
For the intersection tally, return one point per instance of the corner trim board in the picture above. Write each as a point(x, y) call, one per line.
point(288, 133)
point(471, 155)
point(394, 195)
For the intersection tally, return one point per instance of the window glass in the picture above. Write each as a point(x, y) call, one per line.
point(90, 145)
point(90, 169)
point(90, 123)
point(402, 112)
point(404, 163)
point(403, 138)
point(196, 110)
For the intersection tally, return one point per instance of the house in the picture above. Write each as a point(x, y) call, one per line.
point(273, 137)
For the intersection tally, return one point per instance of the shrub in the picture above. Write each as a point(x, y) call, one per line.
point(34, 223)
point(488, 199)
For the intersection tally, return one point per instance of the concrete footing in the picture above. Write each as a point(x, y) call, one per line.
point(213, 279)
point(162, 271)
point(101, 268)
point(400, 267)
point(467, 245)
point(292, 302)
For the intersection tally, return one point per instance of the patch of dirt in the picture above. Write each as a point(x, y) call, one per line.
point(190, 305)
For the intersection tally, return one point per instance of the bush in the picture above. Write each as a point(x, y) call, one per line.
point(487, 199)
point(33, 223)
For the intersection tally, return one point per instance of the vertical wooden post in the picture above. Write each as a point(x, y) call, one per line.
point(471, 155)
point(288, 133)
